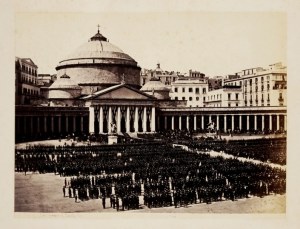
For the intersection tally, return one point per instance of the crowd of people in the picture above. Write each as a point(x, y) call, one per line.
point(163, 175)
point(264, 149)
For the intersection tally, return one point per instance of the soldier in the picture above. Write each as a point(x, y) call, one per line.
point(117, 203)
point(103, 202)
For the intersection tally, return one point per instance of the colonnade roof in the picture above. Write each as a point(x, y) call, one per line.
point(223, 110)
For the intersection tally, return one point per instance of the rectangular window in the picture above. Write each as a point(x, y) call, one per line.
point(229, 104)
point(229, 96)
point(197, 90)
point(190, 98)
point(175, 89)
point(183, 98)
point(237, 96)
point(183, 89)
point(204, 90)
point(197, 98)
point(236, 104)
point(190, 89)
point(176, 98)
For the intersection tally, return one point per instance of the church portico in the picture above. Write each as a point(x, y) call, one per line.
point(123, 106)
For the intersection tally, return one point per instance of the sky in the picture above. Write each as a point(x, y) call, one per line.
point(214, 43)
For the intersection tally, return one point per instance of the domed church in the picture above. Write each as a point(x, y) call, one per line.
point(98, 64)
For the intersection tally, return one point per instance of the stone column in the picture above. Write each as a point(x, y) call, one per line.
point(91, 120)
point(202, 122)
point(136, 120)
point(145, 120)
point(248, 122)
point(240, 121)
point(119, 119)
point(81, 123)
point(270, 122)
point(38, 124)
point(109, 119)
point(209, 119)
point(179, 124)
point(262, 122)
point(187, 122)
point(101, 119)
point(128, 119)
point(24, 126)
point(45, 124)
point(52, 124)
point(278, 123)
point(255, 122)
point(153, 119)
point(59, 124)
point(172, 122)
point(232, 122)
point(74, 123)
point(166, 120)
point(67, 124)
point(195, 122)
point(225, 123)
point(31, 125)
point(218, 127)
point(284, 122)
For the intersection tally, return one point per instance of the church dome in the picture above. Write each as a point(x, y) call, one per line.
point(156, 88)
point(98, 64)
point(154, 84)
point(97, 50)
point(64, 82)
point(64, 88)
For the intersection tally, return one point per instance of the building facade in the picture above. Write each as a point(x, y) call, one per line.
point(227, 96)
point(98, 87)
point(191, 90)
point(26, 85)
point(262, 87)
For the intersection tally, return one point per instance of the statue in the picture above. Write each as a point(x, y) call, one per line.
point(113, 128)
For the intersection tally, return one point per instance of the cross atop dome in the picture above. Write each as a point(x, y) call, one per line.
point(98, 36)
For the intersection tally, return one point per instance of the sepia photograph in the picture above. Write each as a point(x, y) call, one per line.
point(189, 118)
point(133, 114)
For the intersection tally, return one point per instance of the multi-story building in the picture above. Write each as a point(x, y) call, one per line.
point(26, 80)
point(262, 87)
point(227, 96)
point(191, 90)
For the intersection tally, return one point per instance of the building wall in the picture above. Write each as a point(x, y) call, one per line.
point(105, 74)
point(190, 90)
point(26, 81)
point(224, 97)
point(263, 88)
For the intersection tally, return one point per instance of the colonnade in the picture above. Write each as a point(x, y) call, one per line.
point(49, 125)
point(103, 118)
point(225, 122)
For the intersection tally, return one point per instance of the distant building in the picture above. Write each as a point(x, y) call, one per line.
point(191, 90)
point(166, 77)
point(262, 87)
point(227, 96)
point(25, 81)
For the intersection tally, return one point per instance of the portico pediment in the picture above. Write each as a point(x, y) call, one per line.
point(119, 92)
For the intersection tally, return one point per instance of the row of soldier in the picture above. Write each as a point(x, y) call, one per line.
point(169, 172)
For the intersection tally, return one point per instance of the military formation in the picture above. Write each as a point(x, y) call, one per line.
point(155, 175)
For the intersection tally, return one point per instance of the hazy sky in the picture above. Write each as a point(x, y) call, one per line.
point(213, 43)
